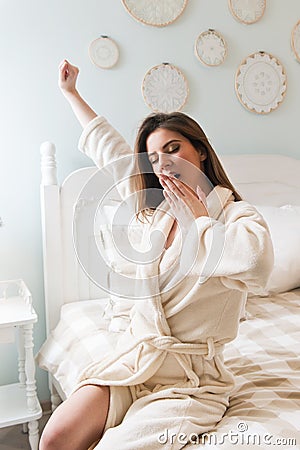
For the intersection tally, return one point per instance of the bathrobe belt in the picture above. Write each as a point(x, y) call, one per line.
point(139, 361)
point(182, 351)
point(174, 345)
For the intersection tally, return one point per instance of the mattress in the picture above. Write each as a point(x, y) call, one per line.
point(264, 408)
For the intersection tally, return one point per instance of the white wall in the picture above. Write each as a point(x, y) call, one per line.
point(37, 34)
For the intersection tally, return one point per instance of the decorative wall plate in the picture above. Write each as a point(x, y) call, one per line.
point(165, 88)
point(211, 48)
point(104, 52)
point(295, 40)
point(260, 82)
point(247, 11)
point(158, 13)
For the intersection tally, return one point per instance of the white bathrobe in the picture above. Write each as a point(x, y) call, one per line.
point(171, 352)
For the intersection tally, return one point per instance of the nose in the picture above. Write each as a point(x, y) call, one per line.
point(164, 162)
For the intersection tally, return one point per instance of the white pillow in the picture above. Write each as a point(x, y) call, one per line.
point(284, 225)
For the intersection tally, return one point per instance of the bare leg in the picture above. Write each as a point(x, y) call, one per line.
point(79, 421)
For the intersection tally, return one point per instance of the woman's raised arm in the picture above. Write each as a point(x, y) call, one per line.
point(67, 84)
point(99, 140)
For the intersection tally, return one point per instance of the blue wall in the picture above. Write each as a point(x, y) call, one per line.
point(37, 34)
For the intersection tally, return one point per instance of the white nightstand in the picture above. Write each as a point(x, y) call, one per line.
point(18, 401)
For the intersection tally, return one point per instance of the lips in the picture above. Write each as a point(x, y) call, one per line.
point(171, 174)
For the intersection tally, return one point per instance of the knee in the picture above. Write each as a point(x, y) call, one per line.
point(54, 437)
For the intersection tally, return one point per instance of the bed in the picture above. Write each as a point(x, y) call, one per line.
point(264, 407)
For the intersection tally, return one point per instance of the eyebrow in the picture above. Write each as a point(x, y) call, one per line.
point(165, 145)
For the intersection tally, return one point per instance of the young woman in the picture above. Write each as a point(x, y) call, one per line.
point(166, 382)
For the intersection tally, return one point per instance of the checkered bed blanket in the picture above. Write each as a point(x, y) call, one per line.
point(264, 410)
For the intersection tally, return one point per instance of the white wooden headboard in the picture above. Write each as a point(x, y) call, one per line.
point(260, 179)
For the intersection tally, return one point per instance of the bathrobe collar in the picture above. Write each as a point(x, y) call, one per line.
point(162, 221)
point(217, 199)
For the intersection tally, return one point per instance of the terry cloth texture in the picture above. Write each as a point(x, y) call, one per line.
point(171, 354)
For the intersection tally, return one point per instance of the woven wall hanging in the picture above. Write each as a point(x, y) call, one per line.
point(211, 48)
point(104, 52)
point(158, 13)
point(165, 88)
point(247, 11)
point(260, 83)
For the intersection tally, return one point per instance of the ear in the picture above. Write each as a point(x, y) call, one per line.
point(202, 154)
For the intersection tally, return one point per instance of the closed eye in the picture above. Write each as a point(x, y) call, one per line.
point(172, 148)
point(153, 159)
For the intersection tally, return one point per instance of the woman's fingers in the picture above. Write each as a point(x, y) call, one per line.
point(65, 65)
point(169, 183)
point(178, 193)
point(64, 71)
point(67, 76)
point(168, 197)
point(201, 195)
point(62, 63)
point(178, 187)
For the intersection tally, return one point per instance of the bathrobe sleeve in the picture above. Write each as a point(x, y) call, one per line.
point(110, 152)
point(237, 249)
point(102, 143)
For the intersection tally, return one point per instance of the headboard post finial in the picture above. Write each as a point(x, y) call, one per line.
point(48, 164)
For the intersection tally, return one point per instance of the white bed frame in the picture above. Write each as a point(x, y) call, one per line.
point(260, 179)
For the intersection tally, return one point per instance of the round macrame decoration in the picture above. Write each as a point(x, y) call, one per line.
point(211, 48)
point(247, 11)
point(104, 52)
point(158, 13)
point(295, 40)
point(260, 83)
point(165, 88)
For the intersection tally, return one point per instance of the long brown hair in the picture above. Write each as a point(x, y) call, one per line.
point(191, 130)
